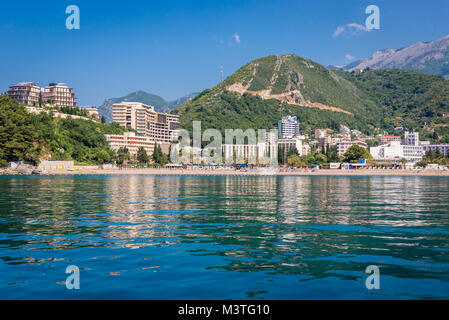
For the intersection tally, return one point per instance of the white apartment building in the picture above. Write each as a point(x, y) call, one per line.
point(288, 126)
point(288, 144)
point(130, 141)
point(26, 93)
point(322, 133)
point(261, 153)
point(59, 94)
point(397, 151)
point(158, 126)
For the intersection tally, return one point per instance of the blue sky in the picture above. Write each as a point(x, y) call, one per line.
point(171, 48)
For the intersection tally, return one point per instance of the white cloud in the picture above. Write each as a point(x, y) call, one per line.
point(349, 57)
point(236, 37)
point(350, 30)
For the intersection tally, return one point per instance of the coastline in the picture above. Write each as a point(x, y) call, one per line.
point(185, 172)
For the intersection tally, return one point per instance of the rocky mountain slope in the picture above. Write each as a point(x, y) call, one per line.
point(264, 90)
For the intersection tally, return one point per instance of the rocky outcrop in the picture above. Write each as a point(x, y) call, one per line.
point(23, 169)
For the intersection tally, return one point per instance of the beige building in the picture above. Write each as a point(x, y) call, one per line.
point(93, 111)
point(26, 93)
point(161, 127)
point(388, 139)
point(59, 94)
point(131, 142)
point(343, 146)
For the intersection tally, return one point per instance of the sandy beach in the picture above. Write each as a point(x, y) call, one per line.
point(280, 172)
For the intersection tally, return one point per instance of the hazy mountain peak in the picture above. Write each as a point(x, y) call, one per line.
point(429, 57)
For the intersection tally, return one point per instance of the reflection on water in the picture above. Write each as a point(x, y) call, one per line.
point(224, 237)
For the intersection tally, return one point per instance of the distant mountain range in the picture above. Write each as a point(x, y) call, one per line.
point(159, 103)
point(428, 57)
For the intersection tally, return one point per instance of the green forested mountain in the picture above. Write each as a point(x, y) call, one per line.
point(264, 90)
point(30, 137)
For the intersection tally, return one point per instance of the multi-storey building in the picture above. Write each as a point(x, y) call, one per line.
point(26, 93)
point(388, 139)
point(323, 133)
point(343, 146)
point(397, 151)
point(142, 118)
point(260, 153)
point(444, 148)
point(59, 94)
point(288, 126)
point(131, 142)
point(411, 138)
point(93, 111)
point(295, 142)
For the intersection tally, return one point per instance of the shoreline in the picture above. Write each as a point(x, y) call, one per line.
point(185, 172)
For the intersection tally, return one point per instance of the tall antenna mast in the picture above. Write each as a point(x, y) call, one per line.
point(221, 73)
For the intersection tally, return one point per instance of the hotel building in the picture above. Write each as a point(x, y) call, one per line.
point(288, 126)
point(411, 138)
point(444, 148)
point(130, 141)
point(397, 151)
point(295, 142)
point(261, 153)
point(59, 94)
point(161, 127)
point(26, 93)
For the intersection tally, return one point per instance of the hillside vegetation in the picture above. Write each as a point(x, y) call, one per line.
point(31, 137)
point(264, 90)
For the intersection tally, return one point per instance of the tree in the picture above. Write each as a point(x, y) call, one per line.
point(102, 156)
point(41, 100)
point(123, 155)
point(438, 154)
point(295, 161)
point(17, 133)
point(159, 157)
point(281, 154)
point(403, 162)
point(356, 153)
point(321, 158)
point(293, 151)
point(142, 156)
point(103, 119)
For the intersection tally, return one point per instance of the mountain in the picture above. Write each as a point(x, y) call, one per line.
point(264, 90)
point(428, 57)
point(180, 101)
point(158, 102)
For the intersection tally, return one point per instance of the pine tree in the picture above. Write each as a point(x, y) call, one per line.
point(142, 156)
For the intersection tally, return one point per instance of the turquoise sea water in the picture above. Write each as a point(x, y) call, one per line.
point(171, 237)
